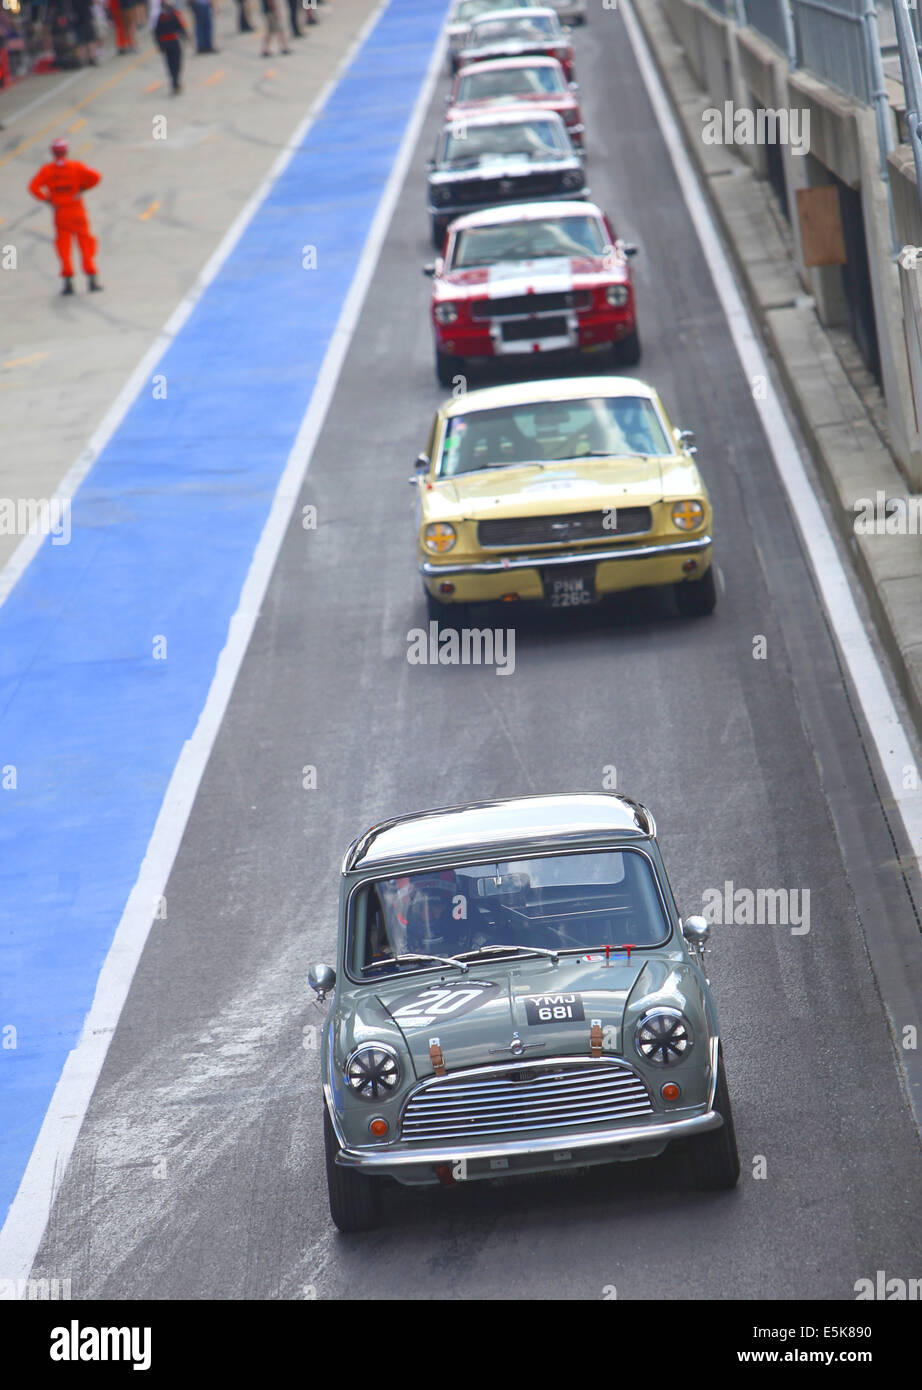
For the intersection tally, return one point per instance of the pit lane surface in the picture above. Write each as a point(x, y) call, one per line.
point(199, 1170)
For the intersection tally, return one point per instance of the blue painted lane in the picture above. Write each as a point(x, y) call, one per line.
point(163, 531)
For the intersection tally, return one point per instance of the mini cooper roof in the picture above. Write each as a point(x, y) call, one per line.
point(560, 389)
point(502, 115)
point(525, 212)
point(534, 12)
point(483, 826)
point(537, 60)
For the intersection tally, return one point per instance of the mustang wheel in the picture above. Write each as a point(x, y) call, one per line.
point(627, 352)
point(695, 598)
point(713, 1159)
point(355, 1200)
point(446, 368)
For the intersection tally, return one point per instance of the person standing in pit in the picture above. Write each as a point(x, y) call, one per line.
point(275, 24)
point(61, 184)
point(170, 32)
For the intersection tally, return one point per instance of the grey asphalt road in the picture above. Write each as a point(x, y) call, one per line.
point(199, 1171)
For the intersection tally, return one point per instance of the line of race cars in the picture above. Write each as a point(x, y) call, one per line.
point(554, 490)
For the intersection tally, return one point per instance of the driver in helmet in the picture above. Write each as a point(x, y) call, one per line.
point(436, 918)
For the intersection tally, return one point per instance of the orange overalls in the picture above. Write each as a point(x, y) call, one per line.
point(60, 183)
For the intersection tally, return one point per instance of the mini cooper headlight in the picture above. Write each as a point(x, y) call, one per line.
point(618, 295)
point(439, 537)
point(446, 313)
point(687, 515)
point(574, 179)
point(373, 1071)
point(440, 194)
point(663, 1036)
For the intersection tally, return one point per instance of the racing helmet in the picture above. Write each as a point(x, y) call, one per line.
point(433, 926)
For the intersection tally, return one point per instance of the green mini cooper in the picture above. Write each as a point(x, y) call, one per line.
point(515, 993)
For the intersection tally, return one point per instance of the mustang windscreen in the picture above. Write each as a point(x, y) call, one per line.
point(535, 29)
point(494, 86)
point(471, 144)
point(533, 240)
point(551, 432)
point(470, 9)
point(569, 902)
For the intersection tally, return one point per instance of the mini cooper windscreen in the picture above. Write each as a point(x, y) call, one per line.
point(570, 902)
point(544, 238)
point(539, 432)
point(538, 28)
point(463, 145)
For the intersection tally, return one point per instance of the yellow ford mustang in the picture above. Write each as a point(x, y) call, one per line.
point(561, 492)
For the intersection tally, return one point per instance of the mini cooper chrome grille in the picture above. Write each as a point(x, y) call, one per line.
point(530, 304)
point(563, 530)
point(510, 1099)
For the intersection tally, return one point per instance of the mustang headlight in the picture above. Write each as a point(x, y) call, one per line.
point(440, 194)
point(617, 295)
point(439, 537)
point(372, 1071)
point(446, 313)
point(663, 1036)
point(574, 179)
point(687, 515)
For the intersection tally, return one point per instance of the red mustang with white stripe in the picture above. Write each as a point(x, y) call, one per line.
point(530, 279)
point(525, 81)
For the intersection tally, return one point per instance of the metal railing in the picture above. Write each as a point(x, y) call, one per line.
point(831, 43)
point(772, 19)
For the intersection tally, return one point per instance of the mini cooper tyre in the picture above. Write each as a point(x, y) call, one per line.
point(695, 598)
point(355, 1200)
point(713, 1160)
point(626, 353)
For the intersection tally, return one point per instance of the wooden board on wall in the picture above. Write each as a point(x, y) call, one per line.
point(821, 226)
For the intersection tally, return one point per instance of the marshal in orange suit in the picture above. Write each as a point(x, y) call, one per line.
point(61, 184)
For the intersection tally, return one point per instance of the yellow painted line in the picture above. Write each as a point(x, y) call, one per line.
point(78, 106)
point(270, 72)
point(82, 149)
point(153, 86)
point(148, 212)
point(215, 77)
point(22, 361)
point(77, 125)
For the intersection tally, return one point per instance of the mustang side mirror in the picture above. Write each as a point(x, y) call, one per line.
point(686, 438)
point(697, 931)
point(321, 979)
point(629, 249)
point(429, 268)
point(422, 463)
point(574, 86)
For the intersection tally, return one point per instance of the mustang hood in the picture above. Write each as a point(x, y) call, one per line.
point(546, 489)
point(546, 275)
point(550, 1006)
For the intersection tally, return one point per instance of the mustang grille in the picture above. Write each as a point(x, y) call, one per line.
point(563, 530)
point(509, 1099)
point(512, 188)
point(530, 304)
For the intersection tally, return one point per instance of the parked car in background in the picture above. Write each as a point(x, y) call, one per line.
point(569, 11)
point(464, 12)
point(516, 34)
point(530, 82)
point(505, 156)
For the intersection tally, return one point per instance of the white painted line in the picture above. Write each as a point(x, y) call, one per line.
point(30, 545)
point(28, 1216)
point(889, 737)
point(14, 116)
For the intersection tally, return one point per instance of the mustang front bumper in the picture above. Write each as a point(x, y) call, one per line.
point(617, 568)
point(415, 1165)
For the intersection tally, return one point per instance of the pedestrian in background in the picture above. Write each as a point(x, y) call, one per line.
point(170, 32)
point(243, 19)
point(202, 14)
point(274, 25)
point(129, 19)
point(293, 7)
point(61, 184)
point(85, 31)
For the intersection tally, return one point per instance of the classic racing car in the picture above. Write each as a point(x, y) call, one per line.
point(513, 34)
point(515, 992)
point(505, 156)
point(561, 492)
point(516, 81)
point(466, 11)
point(532, 279)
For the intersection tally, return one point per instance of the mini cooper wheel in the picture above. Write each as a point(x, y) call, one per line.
point(714, 1160)
point(446, 368)
point(355, 1200)
point(626, 353)
point(695, 598)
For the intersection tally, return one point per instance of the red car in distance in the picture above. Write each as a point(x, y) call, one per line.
point(533, 279)
point(518, 81)
point(516, 34)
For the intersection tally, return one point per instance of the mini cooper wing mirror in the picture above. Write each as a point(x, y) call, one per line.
point(321, 979)
point(429, 268)
point(697, 931)
point(574, 86)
